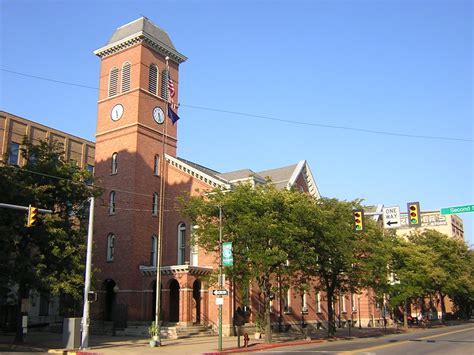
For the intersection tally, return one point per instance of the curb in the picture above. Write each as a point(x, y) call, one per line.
point(70, 352)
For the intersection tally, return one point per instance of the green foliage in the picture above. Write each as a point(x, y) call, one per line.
point(431, 263)
point(49, 256)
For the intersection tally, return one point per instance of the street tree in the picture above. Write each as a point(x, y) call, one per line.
point(48, 256)
point(259, 222)
point(451, 257)
point(341, 259)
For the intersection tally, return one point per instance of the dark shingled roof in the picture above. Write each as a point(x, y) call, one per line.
point(240, 174)
point(280, 176)
point(142, 24)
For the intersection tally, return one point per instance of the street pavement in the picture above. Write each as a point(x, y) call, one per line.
point(452, 340)
point(43, 342)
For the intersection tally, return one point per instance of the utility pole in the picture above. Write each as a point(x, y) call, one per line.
point(221, 286)
point(87, 286)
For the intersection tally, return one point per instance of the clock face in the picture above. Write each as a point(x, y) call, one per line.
point(158, 115)
point(117, 112)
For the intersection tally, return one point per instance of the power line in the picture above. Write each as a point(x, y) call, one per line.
point(82, 183)
point(269, 118)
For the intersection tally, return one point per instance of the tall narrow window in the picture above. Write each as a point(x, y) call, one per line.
point(164, 84)
point(343, 303)
point(154, 246)
point(114, 163)
point(112, 202)
point(286, 301)
point(153, 79)
point(113, 81)
point(353, 303)
point(304, 306)
point(194, 249)
point(126, 68)
point(14, 155)
point(154, 207)
point(156, 165)
point(318, 302)
point(181, 243)
point(110, 247)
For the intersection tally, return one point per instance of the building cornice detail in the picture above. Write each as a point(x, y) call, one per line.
point(140, 37)
point(198, 174)
point(176, 269)
point(303, 168)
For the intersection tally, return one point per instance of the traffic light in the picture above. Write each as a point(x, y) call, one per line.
point(414, 218)
point(32, 216)
point(358, 218)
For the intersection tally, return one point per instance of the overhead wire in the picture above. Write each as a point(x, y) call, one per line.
point(264, 117)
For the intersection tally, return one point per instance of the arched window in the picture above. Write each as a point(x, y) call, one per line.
point(154, 208)
point(153, 79)
point(126, 68)
point(181, 243)
point(113, 81)
point(156, 165)
point(154, 247)
point(112, 202)
point(114, 163)
point(110, 247)
point(164, 84)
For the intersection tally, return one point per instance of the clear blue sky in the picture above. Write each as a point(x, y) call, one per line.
point(401, 66)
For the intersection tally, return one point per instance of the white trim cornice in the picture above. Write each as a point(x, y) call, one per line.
point(176, 269)
point(140, 37)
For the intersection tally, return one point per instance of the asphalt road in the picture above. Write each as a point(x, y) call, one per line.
point(451, 340)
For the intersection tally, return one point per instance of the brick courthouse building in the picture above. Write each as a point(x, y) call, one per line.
point(134, 137)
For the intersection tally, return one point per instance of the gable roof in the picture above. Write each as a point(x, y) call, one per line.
point(283, 178)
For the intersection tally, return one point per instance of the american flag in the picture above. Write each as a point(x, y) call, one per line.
point(170, 86)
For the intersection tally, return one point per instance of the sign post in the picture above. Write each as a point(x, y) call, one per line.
point(457, 209)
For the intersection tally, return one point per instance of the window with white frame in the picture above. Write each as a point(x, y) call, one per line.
point(156, 165)
point(343, 303)
point(286, 301)
point(181, 243)
point(126, 68)
point(110, 247)
point(318, 302)
point(114, 167)
point(304, 306)
point(113, 81)
point(353, 302)
point(112, 202)
point(194, 250)
point(153, 250)
point(154, 207)
point(153, 79)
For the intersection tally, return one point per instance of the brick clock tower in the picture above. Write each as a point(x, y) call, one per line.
point(133, 135)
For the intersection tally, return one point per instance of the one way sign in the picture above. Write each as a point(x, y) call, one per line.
point(391, 217)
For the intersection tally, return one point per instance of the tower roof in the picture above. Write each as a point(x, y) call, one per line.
point(141, 30)
point(141, 25)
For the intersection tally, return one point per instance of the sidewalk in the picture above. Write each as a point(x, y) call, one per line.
point(52, 342)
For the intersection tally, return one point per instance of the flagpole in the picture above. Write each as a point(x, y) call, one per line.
point(161, 223)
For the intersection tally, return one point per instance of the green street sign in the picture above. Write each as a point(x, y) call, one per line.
point(227, 257)
point(457, 209)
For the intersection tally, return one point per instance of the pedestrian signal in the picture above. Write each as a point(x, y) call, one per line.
point(32, 216)
point(414, 219)
point(358, 220)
